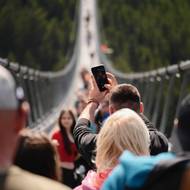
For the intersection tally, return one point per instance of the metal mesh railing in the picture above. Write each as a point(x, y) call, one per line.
point(45, 91)
point(162, 91)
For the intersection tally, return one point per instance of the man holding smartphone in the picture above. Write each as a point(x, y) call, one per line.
point(120, 96)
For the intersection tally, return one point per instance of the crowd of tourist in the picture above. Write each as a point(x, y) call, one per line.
point(106, 142)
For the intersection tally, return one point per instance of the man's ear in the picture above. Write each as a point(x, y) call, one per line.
point(141, 107)
point(22, 115)
point(111, 109)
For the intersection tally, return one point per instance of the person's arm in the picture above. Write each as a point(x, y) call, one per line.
point(84, 138)
point(89, 110)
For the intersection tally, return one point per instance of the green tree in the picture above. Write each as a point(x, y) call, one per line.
point(37, 33)
point(146, 34)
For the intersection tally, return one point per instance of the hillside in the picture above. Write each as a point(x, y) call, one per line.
point(146, 34)
point(37, 33)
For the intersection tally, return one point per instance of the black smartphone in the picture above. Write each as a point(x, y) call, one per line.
point(99, 74)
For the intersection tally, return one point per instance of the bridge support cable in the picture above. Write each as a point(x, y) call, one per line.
point(151, 98)
point(168, 101)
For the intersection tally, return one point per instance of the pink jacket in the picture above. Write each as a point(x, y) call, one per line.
point(93, 180)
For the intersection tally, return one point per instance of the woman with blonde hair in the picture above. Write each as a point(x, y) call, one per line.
point(122, 130)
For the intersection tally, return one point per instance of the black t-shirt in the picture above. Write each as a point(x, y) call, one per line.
point(86, 140)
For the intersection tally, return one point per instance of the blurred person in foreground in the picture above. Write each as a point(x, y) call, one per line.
point(164, 171)
point(120, 96)
point(122, 130)
point(37, 153)
point(13, 115)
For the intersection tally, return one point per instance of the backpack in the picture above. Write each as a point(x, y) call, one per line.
point(167, 174)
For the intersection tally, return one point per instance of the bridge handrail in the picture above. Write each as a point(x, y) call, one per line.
point(43, 90)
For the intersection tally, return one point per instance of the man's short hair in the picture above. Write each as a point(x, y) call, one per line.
point(125, 96)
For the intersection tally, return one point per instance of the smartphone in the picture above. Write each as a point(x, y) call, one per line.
point(99, 74)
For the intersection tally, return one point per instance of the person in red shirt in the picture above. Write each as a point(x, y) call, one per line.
point(66, 147)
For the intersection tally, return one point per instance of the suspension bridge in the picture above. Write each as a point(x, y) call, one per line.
point(48, 92)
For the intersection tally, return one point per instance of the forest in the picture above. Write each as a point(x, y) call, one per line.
point(37, 33)
point(143, 34)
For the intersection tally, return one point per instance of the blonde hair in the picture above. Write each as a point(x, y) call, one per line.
point(123, 130)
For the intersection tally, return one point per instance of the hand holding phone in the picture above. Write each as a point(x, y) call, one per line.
point(99, 74)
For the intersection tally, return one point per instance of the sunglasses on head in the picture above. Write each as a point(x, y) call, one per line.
point(19, 92)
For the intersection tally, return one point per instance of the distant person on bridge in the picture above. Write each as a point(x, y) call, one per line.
point(88, 37)
point(164, 171)
point(87, 19)
point(120, 96)
point(13, 115)
point(66, 147)
point(85, 76)
point(82, 92)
